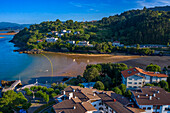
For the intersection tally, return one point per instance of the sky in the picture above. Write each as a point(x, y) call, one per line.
point(36, 11)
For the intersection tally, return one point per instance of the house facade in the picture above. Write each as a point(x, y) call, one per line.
point(152, 99)
point(52, 39)
point(136, 77)
point(93, 100)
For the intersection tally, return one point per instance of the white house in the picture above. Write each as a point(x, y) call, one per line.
point(117, 43)
point(52, 39)
point(152, 99)
point(77, 32)
point(136, 77)
point(60, 35)
point(63, 31)
point(71, 42)
point(68, 31)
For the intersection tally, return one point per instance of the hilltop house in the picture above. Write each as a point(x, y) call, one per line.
point(68, 31)
point(39, 41)
point(63, 31)
point(60, 35)
point(52, 39)
point(136, 77)
point(117, 43)
point(77, 32)
point(152, 99)
point(71, 42)
point(75, 99)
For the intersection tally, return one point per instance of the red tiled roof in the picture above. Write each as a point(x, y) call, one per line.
point(161, 98)
point(136, 70)
point(116, 42)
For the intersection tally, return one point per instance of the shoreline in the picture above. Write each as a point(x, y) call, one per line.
point(8, 33)
point(2, 37)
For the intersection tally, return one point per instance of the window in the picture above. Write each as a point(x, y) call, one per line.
point(149, 108)
point(100, 103)
point(167, 109)
point(130, 78)
point(129, 82)
point(140, 83)
point(144, 108)
point(106, 107)
point(100, 108)
point(130, 86)
point(158, 107)
point(95, 105)
point(135, 87)
point(135, 83)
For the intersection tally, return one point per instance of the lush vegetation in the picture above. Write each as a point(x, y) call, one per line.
point(44, 92)
point(131, 27)
point(12, 101)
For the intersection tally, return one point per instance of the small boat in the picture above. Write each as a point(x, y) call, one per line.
point(46, 70)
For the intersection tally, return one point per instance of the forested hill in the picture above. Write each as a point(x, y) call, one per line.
point(131, 27)
point(12, 26)
point(140, 26)
point(165, 8)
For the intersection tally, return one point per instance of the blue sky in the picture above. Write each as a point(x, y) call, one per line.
point(36, 11)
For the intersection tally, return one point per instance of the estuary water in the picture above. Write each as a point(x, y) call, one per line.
point(24, 66)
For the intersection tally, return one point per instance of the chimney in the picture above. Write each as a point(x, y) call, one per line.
point(70, 95)
point(150, 97)
point(154, 95)
point(146, 94)
point(74, 107)
point(114, 100)
point(94, 94)
point(138, 95)
point(64, 92)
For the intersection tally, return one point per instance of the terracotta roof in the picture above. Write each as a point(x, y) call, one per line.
point(161, 98)
point(123, 100)
point(136, 110)
point(136, 70)
point(69, 106)
point(118, 107)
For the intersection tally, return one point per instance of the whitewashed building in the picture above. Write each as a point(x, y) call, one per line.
point(93, 100)
point(117, 43)
point(77, 32)
point(60, 34)
point(71, 42)
point(136, 77)
point(152, 99)
point(52, 39)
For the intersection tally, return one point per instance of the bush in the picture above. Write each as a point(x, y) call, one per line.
point(99, 85)
point(57, 91)
point(117, 90)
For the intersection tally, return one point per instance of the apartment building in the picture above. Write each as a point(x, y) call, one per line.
point(152, 99)
point(136, 77)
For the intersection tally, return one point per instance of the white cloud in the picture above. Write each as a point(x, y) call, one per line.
point(152, 3)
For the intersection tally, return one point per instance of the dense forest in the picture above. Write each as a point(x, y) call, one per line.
point(131, 27)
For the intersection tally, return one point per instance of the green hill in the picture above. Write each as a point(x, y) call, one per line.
point(12, 26)
point(131, 27)
point(164, 8)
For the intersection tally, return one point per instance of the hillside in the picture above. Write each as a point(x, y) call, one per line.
point(131, 27)
point(12, 26)
point(140, 26)
point(164, 8)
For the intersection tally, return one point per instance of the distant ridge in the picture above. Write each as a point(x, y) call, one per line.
point(12, 26)
point(160, 8)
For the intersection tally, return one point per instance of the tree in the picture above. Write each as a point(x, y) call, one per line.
point(99, 85)
point(147, 84)
point(128, 93)
point(137, 46)
point(57, 91)
point(81, 85)
point(168, 44)
point(11, 100)
point(117, 90)
point(123, 88)
point(53, 85)
point(90, 74)
point(153, 68)
point(50, 90)
point(164, 84)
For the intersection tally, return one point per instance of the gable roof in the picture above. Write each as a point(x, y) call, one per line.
point(72, 106)
point(161, 98)
point(136, 70)
point(115, 105)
